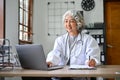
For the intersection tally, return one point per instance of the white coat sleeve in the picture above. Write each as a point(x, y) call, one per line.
point(54, 55)
point(92, 50)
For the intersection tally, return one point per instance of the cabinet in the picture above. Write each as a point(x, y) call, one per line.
point(97, 30)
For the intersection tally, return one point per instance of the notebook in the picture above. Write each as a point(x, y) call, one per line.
point(81, 67)
point(31, 56)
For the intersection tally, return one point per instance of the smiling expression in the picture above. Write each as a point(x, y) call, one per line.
point(70, 25)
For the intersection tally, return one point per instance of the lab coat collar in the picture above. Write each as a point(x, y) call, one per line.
point(79, 37)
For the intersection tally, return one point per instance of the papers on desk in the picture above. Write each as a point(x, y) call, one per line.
point(118, 72)
point(81, 67)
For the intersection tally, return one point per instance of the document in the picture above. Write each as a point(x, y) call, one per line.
point(118, 72)
point(81, 67)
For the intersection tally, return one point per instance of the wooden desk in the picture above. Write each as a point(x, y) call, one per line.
point(105, 71)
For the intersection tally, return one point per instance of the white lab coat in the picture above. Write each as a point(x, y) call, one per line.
point(84, 47)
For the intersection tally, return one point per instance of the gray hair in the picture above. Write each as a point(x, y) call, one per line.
point(77, 15)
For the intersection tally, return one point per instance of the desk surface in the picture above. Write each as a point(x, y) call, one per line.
point(105, 71)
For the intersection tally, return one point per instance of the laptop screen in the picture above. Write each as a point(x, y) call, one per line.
point(32, 56)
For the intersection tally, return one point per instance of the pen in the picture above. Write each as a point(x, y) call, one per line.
point(89, 57)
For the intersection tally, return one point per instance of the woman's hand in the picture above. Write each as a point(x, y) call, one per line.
point(50, 64)
point(92, 63)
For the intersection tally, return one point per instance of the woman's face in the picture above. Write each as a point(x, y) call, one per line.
point(70, 24)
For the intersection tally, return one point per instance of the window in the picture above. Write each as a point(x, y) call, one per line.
point(25, 21)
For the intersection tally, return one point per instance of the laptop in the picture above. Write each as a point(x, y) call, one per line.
point(31, 56)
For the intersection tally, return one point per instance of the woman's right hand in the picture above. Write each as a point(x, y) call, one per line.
point(92, 63)
point(50, 64)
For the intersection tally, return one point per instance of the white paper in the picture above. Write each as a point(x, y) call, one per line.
point(81, 67)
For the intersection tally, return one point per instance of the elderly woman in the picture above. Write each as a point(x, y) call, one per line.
point(74, 47)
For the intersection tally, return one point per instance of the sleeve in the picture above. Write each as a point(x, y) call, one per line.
point(54, 55)
point(92, 50)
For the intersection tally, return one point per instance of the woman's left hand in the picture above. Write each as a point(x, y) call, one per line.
point(92, 63)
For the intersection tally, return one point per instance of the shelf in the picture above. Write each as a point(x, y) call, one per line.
point(96, 30)
point(93, 28)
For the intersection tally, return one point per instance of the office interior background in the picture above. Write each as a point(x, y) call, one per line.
point(40, 21)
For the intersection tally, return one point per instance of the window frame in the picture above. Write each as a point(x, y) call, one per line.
point(25, 30)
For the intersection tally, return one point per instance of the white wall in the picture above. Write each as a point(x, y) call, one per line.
point(40, 26)
point(11, 22)
point(11, 26)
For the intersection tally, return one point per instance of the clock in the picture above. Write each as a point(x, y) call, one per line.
point(87, 5)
